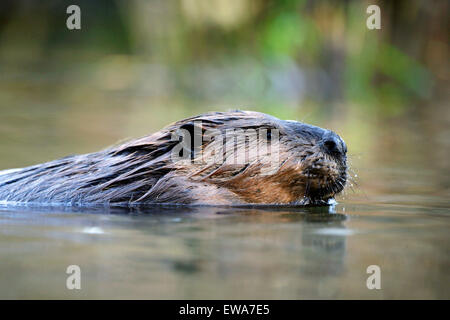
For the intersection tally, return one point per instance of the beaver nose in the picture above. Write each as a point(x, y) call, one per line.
point(333, 144)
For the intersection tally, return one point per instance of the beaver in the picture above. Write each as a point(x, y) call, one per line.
point(262, 160)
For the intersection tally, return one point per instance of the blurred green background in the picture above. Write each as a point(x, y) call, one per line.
point(136, 66)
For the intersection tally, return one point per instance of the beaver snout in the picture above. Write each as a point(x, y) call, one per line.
point(333, 144)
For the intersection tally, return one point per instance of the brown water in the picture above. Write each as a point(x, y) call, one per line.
point(397, 217)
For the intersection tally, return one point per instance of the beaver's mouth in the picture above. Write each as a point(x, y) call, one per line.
point(324, 179)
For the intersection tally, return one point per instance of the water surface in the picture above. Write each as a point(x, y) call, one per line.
point(226, 253)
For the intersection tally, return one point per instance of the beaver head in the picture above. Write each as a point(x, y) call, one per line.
point(262, 159)
point(220, 158)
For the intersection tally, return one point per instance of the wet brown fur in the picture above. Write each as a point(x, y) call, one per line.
point(142, 171)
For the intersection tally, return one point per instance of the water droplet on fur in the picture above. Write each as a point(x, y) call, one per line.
point(93, 230)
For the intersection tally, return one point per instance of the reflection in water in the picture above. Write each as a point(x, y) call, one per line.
point(321, 254)
point(219, 252)
point(324, 253)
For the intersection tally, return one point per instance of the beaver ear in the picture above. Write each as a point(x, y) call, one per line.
point(196, 131)
point(188, 126)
